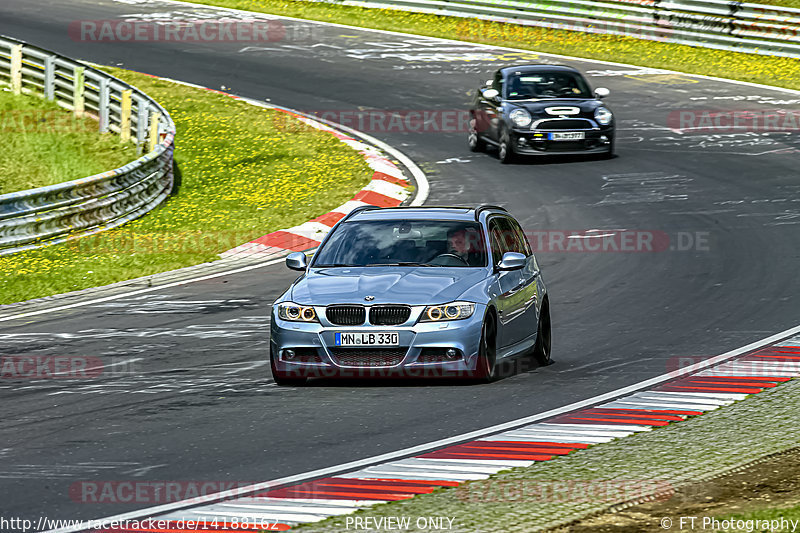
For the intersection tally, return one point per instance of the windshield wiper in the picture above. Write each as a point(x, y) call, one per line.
point(402, 263)
point(334, 265)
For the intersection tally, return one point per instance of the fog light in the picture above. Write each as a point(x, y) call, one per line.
point(451, 353)
point(604, 139)
point(288, 355)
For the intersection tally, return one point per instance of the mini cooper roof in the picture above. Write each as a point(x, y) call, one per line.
point(539, 68)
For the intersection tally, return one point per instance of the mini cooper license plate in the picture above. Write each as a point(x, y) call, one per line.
point(367, 339)
point(567, 136)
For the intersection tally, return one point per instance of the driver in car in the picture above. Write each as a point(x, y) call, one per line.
point(461, 243)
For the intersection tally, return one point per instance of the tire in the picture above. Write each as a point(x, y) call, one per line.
point(505, 150)
point(610, 153)
point(476, 144)
point(486, 369)
point(281, 379)
point(541, 350)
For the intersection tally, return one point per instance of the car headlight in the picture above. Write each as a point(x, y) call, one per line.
point(520, 117)
point(603, 115)
point(451, 311)
point(296, 313)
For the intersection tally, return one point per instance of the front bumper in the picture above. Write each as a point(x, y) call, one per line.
point(315, 353)
point(536, 142)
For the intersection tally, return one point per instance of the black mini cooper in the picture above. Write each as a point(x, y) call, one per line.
point(540, 109)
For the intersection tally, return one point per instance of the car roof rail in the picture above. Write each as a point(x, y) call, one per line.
point(359, 209)
point(487, 207)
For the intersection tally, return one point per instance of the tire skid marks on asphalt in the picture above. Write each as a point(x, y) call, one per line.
point(699, 392)
point(166, 304)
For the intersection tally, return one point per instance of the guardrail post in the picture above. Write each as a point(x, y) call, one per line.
point(50, 77)
point(16, 68)
point(143, 112)
point(125, 116)
point(153, 140)
point(78, 85)
point(103, 104)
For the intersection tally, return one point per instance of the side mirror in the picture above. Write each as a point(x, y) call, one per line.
point(297, 261)
point(490, 94)
point(512, 261)
point(601, 92)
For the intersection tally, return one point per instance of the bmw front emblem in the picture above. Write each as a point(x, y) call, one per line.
point(369, 298)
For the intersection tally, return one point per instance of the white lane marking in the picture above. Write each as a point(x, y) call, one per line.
point(722, 396)
point(139, 291)
point(479, 466)
point(541, 429)
point(639, 404)
point(676, 398)
point(527, 437)
point(578, 428)
point(478, 463)
point(276, 516)
point(315, 501)
point(250, 510)
point(785, 365)
point(750, 373)
point(397, 473)
point(255, 365)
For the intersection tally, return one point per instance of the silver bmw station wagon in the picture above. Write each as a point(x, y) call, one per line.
point(412, 292)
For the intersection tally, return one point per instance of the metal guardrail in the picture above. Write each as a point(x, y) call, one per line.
point(56, 213)
point(720, 24)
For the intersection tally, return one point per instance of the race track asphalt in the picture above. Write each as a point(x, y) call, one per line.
point(193, 400)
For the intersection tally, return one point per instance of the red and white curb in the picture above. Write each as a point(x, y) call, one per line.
point(701, 389)
point(389, 187)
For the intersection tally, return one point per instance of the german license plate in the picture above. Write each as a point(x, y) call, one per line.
point(567, 136)
point(377, 338)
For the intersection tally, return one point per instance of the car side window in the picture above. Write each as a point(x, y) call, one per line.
point(510, 240)
point(521, 238)
point(496, 241)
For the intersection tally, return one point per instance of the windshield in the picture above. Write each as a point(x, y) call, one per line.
point(404, 243)
point(524, 85)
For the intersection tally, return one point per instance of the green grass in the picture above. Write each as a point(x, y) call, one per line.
point(784, 72)
point(44, 145)
point(246, 171)
point(795, 4)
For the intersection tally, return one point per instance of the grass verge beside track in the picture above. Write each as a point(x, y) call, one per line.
point(245, 171)
point(44, 145)
point(783, 72)
point(768, 490)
